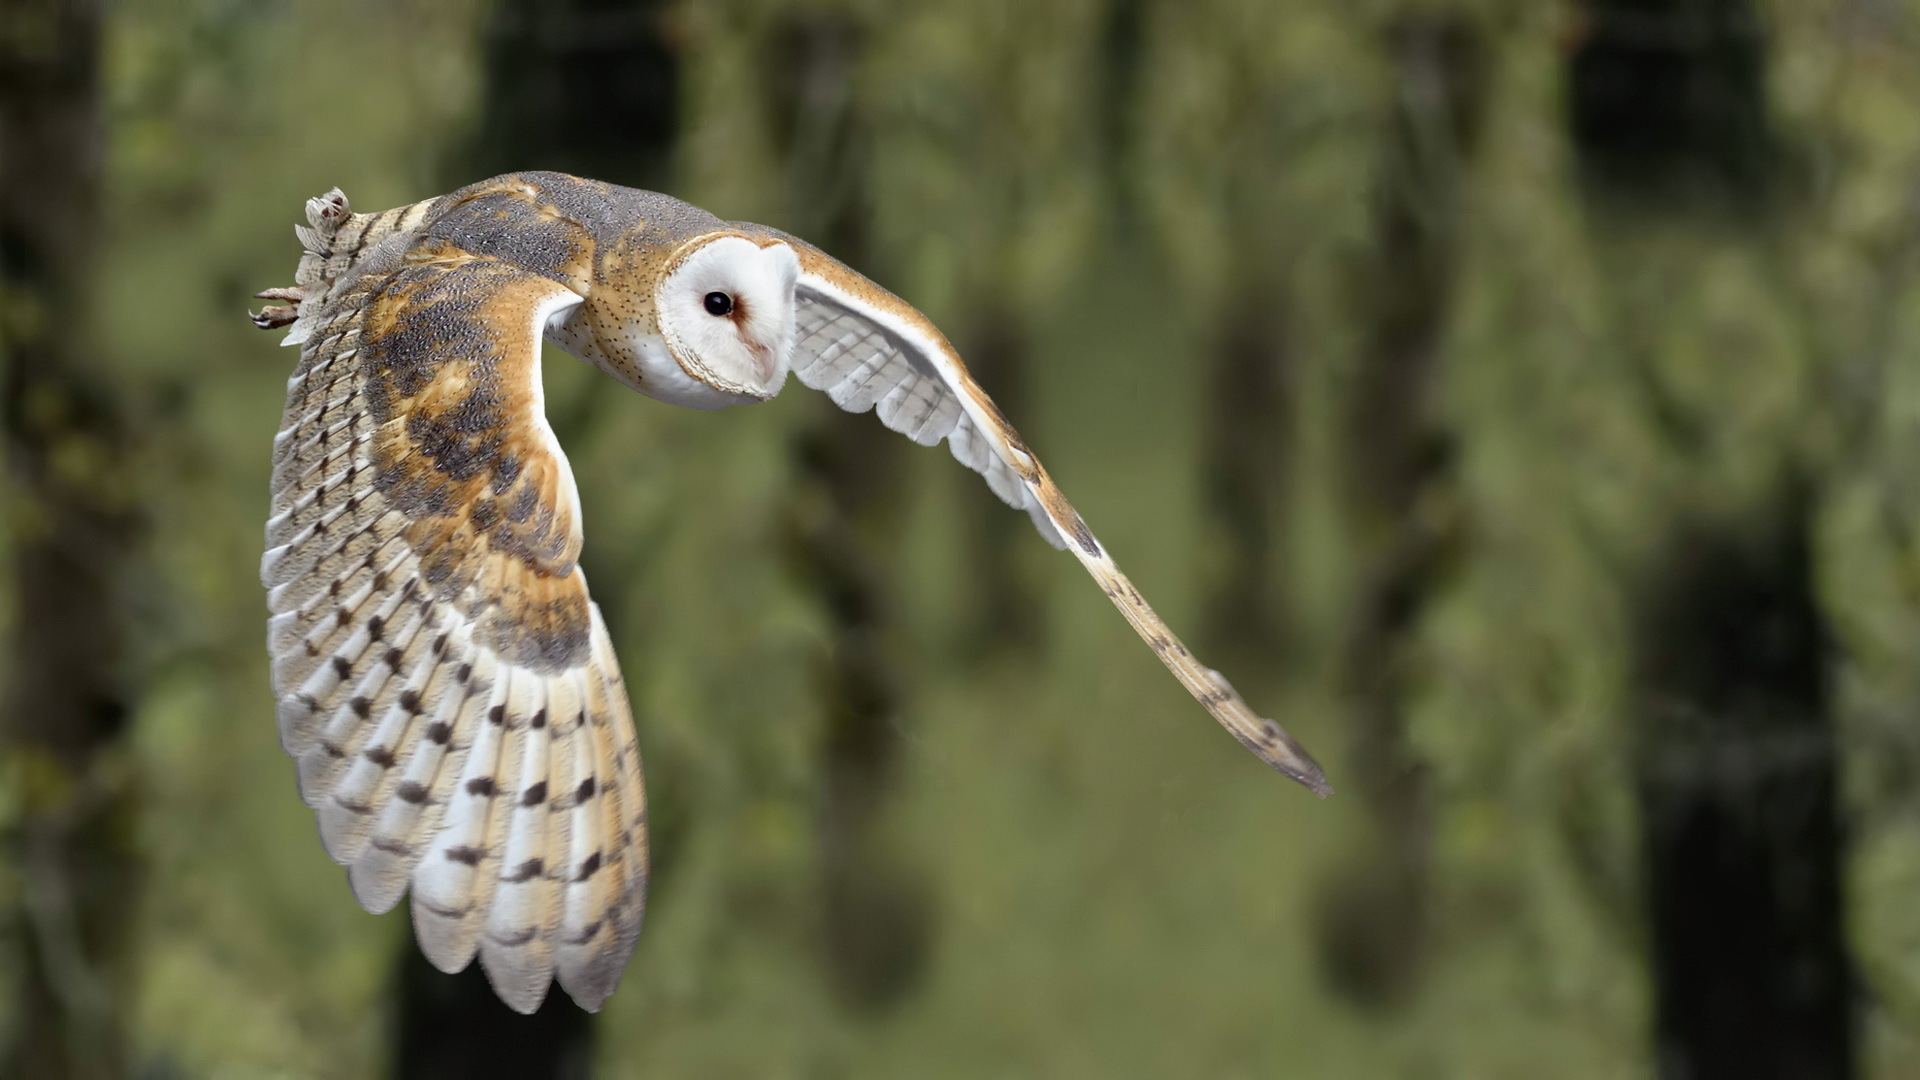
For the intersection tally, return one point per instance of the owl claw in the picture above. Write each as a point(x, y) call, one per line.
point(273, 317)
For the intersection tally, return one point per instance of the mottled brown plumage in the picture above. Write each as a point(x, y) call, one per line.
point(445, 683)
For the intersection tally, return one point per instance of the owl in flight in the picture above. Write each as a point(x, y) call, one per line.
point(447, 687)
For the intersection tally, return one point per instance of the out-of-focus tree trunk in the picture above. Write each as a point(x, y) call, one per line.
point(453, 1027)
point(1738, 808)
point(1374, 921)
point(1116, 95)
point(589, 87)
point(875, 918)
point(71, 516)
point(1249, 430)
point(1734, 735)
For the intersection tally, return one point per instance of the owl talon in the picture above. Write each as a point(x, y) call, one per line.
point(273, 317)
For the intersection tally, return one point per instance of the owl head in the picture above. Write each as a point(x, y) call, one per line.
point(726, 311)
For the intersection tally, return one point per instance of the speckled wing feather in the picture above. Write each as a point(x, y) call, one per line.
point(869, 349)
point(445, 684)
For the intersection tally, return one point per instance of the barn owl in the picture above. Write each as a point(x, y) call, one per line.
point(445, 684)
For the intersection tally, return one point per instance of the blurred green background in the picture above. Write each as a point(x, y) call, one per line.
point(1520, 399)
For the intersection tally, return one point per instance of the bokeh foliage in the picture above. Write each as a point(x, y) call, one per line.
point(1111, 887)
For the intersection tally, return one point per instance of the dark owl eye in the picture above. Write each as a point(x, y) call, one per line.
point(719, 303)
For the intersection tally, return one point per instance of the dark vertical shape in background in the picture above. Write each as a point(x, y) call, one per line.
point(1668, 99)
point(1374, 920)
point(1736, 752)
point(875, 919)
point(589, 87)
point(453, 1027)
point(1245, 458)
point(1117, 95)
point(1738, 806)
point(72, 521)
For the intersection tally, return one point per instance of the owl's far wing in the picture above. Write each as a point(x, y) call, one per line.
point(445, 684)
point(869, 349)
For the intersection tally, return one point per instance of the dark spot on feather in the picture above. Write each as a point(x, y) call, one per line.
point(524, 505)
point(381, 756)
point(380, 582)
point(410, 791)
point(469, 856)
point(375, 627)
point(312, 649)
point(353, 503)
point(481, 785)
point(505, 471)
point(539, 719)
point(341, 667)
point(584, 792)
point(393, 658)
point(392, 847)
point(332, 750)
point(361, 707)
point(535, 795)
point(587, 867)
point(343, 615)
point(333, 590)
point(464, 673)
point(440, 645)
point(410, 701)
point(485, 514)
point(586, 934)
point(497, 715)
point(439, 732)
point(526, 871)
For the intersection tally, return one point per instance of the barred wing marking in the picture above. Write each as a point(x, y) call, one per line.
point(444, 682)
point(869, 349)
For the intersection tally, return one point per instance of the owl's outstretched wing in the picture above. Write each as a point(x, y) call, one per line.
point(868, 349)
point(444, 681)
